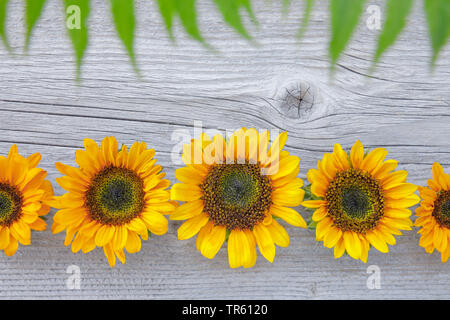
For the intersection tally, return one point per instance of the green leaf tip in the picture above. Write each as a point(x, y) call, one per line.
point(305, 20)
point(33, 11)
point(438, 16)
point(286, 5)
point(168, 10)
point(125, 23)
point(186, 11)
point(230, 10)
point(77, 13)
point(345, 16)
point(397, 12)
point(3, 35)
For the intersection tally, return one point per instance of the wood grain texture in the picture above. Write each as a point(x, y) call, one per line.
point(402, 106)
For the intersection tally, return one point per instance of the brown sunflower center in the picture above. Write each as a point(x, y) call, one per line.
point(10, 204)
point(236, 195)
point(441, 211)
point(116, 196)
point(355, 201)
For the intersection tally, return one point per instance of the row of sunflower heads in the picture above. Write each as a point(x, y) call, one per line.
point(235, 190)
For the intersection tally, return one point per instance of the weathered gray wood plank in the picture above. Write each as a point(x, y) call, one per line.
point(401, 106)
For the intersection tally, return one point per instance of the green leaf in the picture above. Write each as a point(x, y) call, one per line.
point(186, 11)
point(305, 20)
point(344, 19)
point(311, 225)
point(76, 22)
point(3, 7)
point(188, 16)
point(309, 195)
point(230, 12)
point(227, 234)
point(123, 16)
point(286, 5)
point(438, 16)
point(167, 9)
point(396, 13)
point(33, 10)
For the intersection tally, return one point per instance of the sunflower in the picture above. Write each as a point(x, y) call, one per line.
point(360, 201)
point(434, 213)
point(114, 198)
point(24, 193)
point(236, 190)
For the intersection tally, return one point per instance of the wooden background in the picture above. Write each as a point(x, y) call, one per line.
point(402, 106)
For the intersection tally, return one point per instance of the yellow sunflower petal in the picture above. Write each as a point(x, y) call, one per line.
point(189, 175)
point(187, 210)
point(264, 241)
point(203, 233)
point(403, 203)
point(339, 248)
point(109, 253)
point(155, 222)
point(278, 233)
point(4, 238)
point(234, 250)
point(213, 241)
point(319, 214)
point(284, 167)
point(289, 215)
point(373, 159)
point(192, 226)
point(11, 249)
point(400, 191)
point(252, 249)
point(314, 203)
point(352, 244)
point(133, 244)
point(104, 235)
point(185, 192)
point(323, 227)
point(377, 242)
point(357, 154)
point(332, 237)
point(342, 161)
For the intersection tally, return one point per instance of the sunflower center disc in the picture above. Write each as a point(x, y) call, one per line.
point(236, 195)
point(116, 196)
point(446, 209)
point(355, 201)
point(441, 210)
point(10, 204)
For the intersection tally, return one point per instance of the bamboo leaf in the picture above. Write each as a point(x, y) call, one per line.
point(124, 20)
point(186, 11)
point(167, 9)
point(248, 6)
point(344, 19)
point(3, 8)
point(286, 4)
point(305, 20)
point(33, 11)
point(438, 16)
point(76, 22)
point(188, 16)
point(230, 12)
point(396, 13)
